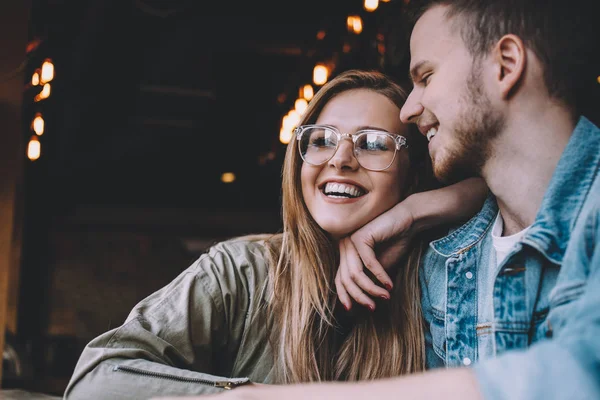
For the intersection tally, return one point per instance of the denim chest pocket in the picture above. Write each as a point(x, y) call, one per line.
point(542, 326)
point(561, 302)
point(438, 333)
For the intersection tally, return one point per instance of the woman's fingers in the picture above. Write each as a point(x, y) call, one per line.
point(349, 285)
point(356, 293)
point(353, 279)
point(363, 247)
point(341, 291)
point(357, 274)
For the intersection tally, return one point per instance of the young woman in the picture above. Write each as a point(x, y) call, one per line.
point(264, 308)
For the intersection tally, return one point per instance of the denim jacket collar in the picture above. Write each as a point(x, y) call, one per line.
point(565, 196)
point(469, 234)
point(550, 231)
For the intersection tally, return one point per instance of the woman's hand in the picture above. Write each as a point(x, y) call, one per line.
point(381, 243)
point(391, 233)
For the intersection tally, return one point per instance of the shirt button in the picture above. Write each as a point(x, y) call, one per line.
point(467, 361)
point(469, 275)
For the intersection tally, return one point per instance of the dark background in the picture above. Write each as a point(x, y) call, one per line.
point(151, 102)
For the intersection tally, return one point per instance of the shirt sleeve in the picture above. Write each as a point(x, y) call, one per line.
point(193, 324)
point(568, 365)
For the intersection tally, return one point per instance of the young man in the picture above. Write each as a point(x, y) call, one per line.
point(511, 298)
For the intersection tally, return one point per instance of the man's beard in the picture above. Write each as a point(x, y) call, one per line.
point(476, 128)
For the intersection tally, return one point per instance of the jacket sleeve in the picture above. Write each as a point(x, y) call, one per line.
point(193, 324)
point(568, 365)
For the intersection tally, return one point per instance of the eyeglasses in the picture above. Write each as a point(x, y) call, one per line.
point(374, 149)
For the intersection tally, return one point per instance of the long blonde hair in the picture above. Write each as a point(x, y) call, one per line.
point(305, 333)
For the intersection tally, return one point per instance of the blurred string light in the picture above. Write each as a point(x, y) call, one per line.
point(285, 134)
point(44, 94)
point(354, 24)
point(47, 73)
point(300, 105)
point(293, 117)
point(288, 123)
point(307, 92)
point(41, 77)
point(38, 124)
point(34, 148)
point(371, 5)
point(227, 177)
point(35, 79)
point(320, 74)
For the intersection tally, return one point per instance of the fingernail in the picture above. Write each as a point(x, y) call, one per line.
point(371, 307)
point(385, 297)
point(346, 307)
point(389, 286)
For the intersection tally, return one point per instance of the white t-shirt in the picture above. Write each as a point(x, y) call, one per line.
point(485, 279)
point(503, 244)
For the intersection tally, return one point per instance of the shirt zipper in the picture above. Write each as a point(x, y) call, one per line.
point(227, 385)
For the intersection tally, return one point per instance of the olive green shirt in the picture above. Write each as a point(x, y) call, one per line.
point(202, 333)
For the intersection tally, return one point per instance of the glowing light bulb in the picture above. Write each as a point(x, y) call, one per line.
point(35, 79)
point(38, 124)
point(285, 134)
point(47, 71)
point(371, 5)
point(34, 148)
point(44, 94)
point(320, 74)
point(300, 105)
point(227, 177)
point(308, 92)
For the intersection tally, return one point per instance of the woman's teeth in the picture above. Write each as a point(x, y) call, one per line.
point(342, 190)
point(431, 133)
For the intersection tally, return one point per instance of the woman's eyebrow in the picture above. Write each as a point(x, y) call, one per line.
point(367, 127)
point(358, 128)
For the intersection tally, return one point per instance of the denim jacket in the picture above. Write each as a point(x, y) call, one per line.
point(530, 328)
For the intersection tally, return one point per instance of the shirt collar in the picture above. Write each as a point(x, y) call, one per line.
point(470, 233)
point(568, 189)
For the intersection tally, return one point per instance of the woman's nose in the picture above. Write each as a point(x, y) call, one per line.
point(344, 156)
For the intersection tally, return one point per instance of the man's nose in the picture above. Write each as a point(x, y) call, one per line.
point(412, 108)
point(344, 156)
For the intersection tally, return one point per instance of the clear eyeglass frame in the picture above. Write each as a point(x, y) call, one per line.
point(399, 140)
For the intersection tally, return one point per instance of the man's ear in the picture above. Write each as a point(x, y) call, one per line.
point(510, 57)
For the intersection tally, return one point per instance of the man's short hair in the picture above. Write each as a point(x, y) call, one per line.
point(557, 31)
